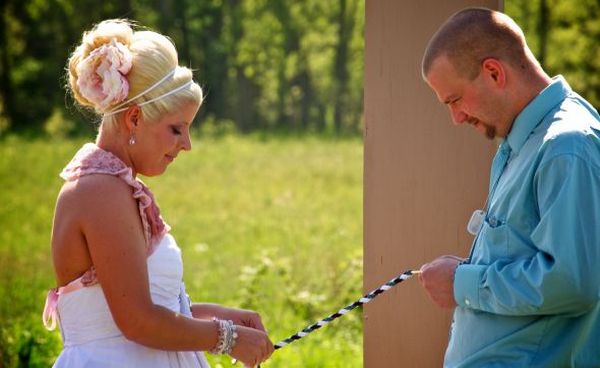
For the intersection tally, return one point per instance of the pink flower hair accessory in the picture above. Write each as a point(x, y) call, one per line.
point(102, 75)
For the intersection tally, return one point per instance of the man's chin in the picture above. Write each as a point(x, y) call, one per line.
point(487, 130)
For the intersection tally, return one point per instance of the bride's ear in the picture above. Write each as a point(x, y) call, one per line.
point(132, 117)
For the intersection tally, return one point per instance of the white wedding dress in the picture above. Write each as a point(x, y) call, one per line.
point(90, 336)
point(92, 339)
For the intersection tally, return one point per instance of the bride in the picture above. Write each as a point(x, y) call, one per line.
point(121, 301)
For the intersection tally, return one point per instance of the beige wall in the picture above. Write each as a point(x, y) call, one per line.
point(423, 178)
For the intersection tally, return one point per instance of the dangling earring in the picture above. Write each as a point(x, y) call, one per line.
point(132, 138)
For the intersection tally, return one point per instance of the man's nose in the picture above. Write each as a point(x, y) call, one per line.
point(458, 117)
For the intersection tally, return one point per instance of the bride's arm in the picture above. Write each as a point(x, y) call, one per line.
point(111, 225)
point(113, 231)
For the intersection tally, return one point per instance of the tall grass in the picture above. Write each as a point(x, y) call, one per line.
point(272, 224)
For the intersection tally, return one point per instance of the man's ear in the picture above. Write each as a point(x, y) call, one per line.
point(132, 117)
point(494, 71)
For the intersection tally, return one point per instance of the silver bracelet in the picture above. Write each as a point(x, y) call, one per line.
point(227, 337)
point(231, 337)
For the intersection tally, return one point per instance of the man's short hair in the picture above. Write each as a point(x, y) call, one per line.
point(473, 35)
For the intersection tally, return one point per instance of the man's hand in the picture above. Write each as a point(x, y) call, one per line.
point(437, 277)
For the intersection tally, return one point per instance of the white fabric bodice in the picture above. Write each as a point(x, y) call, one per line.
point(91, 337)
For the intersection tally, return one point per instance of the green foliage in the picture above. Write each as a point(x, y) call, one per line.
point(57, 126)
point(569, 43)
point(214, 128)
point(4, 122)
point(264, 63)
point(264, 222)
point(29, 182)
point(24, 342)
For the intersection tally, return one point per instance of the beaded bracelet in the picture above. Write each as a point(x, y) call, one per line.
point(227, 337)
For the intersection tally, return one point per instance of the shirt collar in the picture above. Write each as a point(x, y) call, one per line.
point(534, 112)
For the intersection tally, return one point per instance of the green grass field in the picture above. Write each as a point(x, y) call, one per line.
point(272, 224)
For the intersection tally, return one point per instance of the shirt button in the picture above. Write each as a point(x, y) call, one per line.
point(467, 302)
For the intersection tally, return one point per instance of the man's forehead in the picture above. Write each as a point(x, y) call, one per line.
point(443, 79)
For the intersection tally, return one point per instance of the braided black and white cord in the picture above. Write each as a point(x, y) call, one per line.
point(364, 300)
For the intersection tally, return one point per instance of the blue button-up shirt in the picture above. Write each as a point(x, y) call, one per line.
point(530, 295)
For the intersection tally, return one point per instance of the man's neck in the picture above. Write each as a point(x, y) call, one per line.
point(531, 86)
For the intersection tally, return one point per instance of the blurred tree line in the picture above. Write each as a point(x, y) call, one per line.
point(264, 64)
point(565, 37)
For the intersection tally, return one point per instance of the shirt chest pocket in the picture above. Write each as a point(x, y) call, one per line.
point(492, 242)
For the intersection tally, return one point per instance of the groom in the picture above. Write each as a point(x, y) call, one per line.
point(528, 295)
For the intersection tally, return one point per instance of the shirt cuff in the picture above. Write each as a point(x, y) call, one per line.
point(467, 279)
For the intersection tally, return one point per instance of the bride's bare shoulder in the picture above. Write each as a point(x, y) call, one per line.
point(95, 192)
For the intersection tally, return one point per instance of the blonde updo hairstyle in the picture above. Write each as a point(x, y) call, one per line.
point(153, 57)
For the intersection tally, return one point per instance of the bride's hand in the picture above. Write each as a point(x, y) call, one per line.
point(252, 347)
point(242, 317)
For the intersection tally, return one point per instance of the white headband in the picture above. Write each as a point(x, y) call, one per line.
point(119, 107)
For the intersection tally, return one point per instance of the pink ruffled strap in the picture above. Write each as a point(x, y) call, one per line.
point(91, 159)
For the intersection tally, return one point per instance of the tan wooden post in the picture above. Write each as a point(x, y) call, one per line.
point(423, 178)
